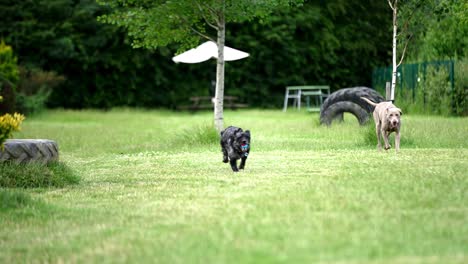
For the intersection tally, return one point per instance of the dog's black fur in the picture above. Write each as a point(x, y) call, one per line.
point(235, 145)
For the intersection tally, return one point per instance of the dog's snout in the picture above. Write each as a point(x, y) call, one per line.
point(244, 142)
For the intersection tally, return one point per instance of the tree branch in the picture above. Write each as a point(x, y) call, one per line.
point(405, 26)
point(202, 35)
point(390, 4)
point(187, 24)
point(404, 51)
point(203, 15)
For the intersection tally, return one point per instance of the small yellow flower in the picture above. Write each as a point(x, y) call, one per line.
point(9, 124)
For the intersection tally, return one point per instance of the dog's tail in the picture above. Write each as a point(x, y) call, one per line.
point(369, 101)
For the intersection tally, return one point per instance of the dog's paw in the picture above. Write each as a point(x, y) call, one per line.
point(225, 160)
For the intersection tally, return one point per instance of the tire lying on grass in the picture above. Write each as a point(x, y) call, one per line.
point(29, 150)
point(335, 111)
point(349, 100)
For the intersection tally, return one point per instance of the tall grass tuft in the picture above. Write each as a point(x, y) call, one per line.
point(200, 135)
point(14, 199)
point(36, 175)
point(370, 136)
point(368, 132)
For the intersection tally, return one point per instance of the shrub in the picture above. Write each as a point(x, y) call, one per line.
point(34, 89)
point(460, 98)
point(437, 91)
point(8, 78)
point(433, 94)
point(8, 64)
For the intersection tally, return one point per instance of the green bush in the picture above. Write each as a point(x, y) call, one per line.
point(437, 94)
point(460, 99)
point(34, 89)
point(8, 64)
point(434, 94)
point(8, 78)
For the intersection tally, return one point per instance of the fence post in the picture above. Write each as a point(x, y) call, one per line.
point(452, 85)
point(387, 91)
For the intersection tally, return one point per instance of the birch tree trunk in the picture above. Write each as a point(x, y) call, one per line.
point(219, 94)
point(394, 50)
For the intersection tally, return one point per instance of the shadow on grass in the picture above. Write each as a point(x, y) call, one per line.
point(35, 175)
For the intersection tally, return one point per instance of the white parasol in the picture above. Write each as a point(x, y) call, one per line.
point(207, 51)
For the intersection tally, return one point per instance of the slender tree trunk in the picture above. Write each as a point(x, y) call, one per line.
point(394, 51)
point(219, 95)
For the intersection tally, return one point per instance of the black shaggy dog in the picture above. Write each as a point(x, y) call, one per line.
point(235, 144)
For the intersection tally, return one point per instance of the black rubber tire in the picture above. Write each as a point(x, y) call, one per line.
point(29, 150)
point(353, 95)
point(336, 110)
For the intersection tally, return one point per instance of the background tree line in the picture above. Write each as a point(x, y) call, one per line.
point(68, 59)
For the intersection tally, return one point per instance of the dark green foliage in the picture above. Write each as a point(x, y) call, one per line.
point(336, 43)
point(34, 175)
point(323, 42)
point(34, 89)
point(437, 91)
point(439, 30)
point(438, 87)
point(7, 104)
point(460, 95)
point(32, 104)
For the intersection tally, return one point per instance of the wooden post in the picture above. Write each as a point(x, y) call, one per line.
point(388, 91)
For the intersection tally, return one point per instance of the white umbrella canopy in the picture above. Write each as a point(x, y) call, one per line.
point(207, 51)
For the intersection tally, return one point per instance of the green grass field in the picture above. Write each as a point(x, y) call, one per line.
point(151, 192)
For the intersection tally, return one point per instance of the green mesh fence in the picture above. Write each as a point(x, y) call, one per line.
point(409, 75)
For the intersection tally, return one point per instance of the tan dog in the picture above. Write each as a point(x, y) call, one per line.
point(387, 120)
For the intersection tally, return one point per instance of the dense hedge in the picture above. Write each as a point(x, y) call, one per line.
point(323, 42)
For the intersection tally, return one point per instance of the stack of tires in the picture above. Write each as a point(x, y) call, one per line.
point(349, 100)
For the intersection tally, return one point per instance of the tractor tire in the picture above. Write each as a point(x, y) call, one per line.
point(336, 110)
point(353, 95)
point(29, 150)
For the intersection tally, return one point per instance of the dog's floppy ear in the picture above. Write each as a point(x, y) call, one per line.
point(247, 132)
point(401, 113)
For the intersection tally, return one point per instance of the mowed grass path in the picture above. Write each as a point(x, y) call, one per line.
point(152, 192)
